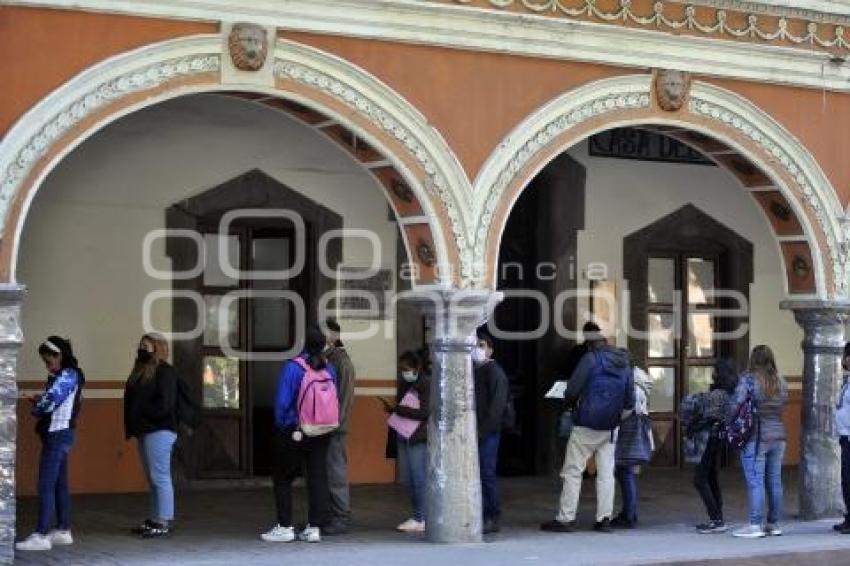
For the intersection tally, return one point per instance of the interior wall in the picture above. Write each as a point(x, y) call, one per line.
point(623, 196)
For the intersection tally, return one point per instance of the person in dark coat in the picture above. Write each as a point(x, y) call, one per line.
point(491, 397)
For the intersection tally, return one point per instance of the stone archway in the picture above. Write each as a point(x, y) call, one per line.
point(760, 154)
point(421, 177)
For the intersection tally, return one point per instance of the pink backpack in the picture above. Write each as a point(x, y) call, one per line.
point(318, 404)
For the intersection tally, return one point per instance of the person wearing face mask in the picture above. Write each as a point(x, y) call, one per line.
point(409, 425)
point(150, 416)
point(57, 409)
point(491, 398)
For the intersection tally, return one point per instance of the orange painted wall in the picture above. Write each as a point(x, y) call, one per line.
point(103, 462)
point(43, 48)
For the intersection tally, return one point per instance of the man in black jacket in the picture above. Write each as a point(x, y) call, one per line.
point(491, 398)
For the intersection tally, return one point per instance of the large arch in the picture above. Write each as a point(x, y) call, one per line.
point(340, 100)
point(720, 123)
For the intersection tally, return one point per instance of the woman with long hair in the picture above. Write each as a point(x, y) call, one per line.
point(150, 415)
point(761, 456)
point(57, 409)
point(294, 449)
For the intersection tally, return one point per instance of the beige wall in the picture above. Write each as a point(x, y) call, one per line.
point(624, 196)
point(81, 251)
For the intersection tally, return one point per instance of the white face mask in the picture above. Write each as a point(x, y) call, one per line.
point(478, 355)
point(409, 376)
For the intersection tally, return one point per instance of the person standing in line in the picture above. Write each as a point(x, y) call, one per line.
point(150, 416)
point(491, 398)
point(409, 427)
point(602, 386)
point(57, 409)
point(340, 500)
point(761, 457)
point(707, 433)
point(306, 389)
point(842, 425)
point(634, 448)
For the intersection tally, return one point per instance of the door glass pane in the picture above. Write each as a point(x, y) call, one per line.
point(213, 273)
point(221, 382)
point(662, 398)
point(661, 336)
point(271, 320)
point(662, 280)
point(700, 335)
point(700, 280)
point(699, 378)
point(213, 330)
point(270, 254)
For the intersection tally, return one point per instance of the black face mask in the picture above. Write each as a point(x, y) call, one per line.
point(143, 356)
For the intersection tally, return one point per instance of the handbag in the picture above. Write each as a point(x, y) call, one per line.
point(634, 441)
point(402, 425)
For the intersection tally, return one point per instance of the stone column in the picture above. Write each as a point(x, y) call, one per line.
point(11, 338)
point(454, 483)
point(820, 459)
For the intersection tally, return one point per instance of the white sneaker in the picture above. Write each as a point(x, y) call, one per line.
point(279, 534)
point(310, 534)
point(411, 526)
point(750, 531)
point(35, 541)
point(60, 538)
point(773, 530)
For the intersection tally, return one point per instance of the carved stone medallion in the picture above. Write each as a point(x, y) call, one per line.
point(671, 88)
point(249, 46)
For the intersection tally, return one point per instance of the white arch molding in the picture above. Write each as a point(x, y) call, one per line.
point(608, 97)
point(39, 131)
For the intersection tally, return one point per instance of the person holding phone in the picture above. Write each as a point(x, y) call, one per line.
point(409, 421)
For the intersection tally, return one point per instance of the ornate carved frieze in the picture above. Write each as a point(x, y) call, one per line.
point(727, 19)
point(76, 110)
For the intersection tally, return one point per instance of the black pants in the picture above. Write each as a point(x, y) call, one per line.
point(291, 459)
point(705, 479)
point(844, 441)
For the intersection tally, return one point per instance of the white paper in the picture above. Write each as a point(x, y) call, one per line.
point(558, 390)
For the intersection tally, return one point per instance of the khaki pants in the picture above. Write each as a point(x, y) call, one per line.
point(585, 442)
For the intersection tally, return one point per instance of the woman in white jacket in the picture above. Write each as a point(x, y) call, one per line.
point(633, 450)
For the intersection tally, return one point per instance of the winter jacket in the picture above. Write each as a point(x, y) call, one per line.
point(151, 405)
point(491, 397)
point(57, 408)
point(346, 376)
point(422, 386)
point(770, 409)
point(581, 376)
point(842, 410)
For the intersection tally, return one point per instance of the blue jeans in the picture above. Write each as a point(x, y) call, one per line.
point(414, 458)
point(488, 460)
point(628, 491)
point(763, 471)
point(155, 452)
point(53, 494)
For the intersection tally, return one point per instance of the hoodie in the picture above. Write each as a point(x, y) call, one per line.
point(578, 382)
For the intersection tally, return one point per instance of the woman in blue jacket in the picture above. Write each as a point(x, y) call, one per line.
point(57, 409)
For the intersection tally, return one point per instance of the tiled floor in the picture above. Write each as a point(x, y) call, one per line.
point(222, 527)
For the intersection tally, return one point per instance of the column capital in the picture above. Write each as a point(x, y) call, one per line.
point(455, 313)
point(823, 324)
point(11, 299)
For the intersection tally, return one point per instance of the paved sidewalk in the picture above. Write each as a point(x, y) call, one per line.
point(223, 527)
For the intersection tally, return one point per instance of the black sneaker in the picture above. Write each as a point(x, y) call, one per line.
point(143, 527)
point(157, 530)
point(335, 528)
point(621, 522)
point(845, 530)
point(712, 527)
point(845, 524)
point(490, 526)
point(555, 526)
point(603, 526)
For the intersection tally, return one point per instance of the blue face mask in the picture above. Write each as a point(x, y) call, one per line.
point(409, 376)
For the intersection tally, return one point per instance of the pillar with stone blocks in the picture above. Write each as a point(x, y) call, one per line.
point(11, 338)
point(454, 483)
point(823, 324)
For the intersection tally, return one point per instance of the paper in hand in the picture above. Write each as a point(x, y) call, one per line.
point(557, 391)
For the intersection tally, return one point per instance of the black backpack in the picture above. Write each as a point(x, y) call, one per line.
point(188, 410)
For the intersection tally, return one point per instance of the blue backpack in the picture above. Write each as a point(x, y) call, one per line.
point(604, 395)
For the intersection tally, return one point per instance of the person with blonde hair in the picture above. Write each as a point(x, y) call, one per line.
point(761, 457)
point(150, 415)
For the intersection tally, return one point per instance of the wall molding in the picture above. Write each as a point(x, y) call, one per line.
point(485, 29)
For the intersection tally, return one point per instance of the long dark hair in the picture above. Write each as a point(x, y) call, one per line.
point(67, 360)
point(725, 375)
point(315, 342)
